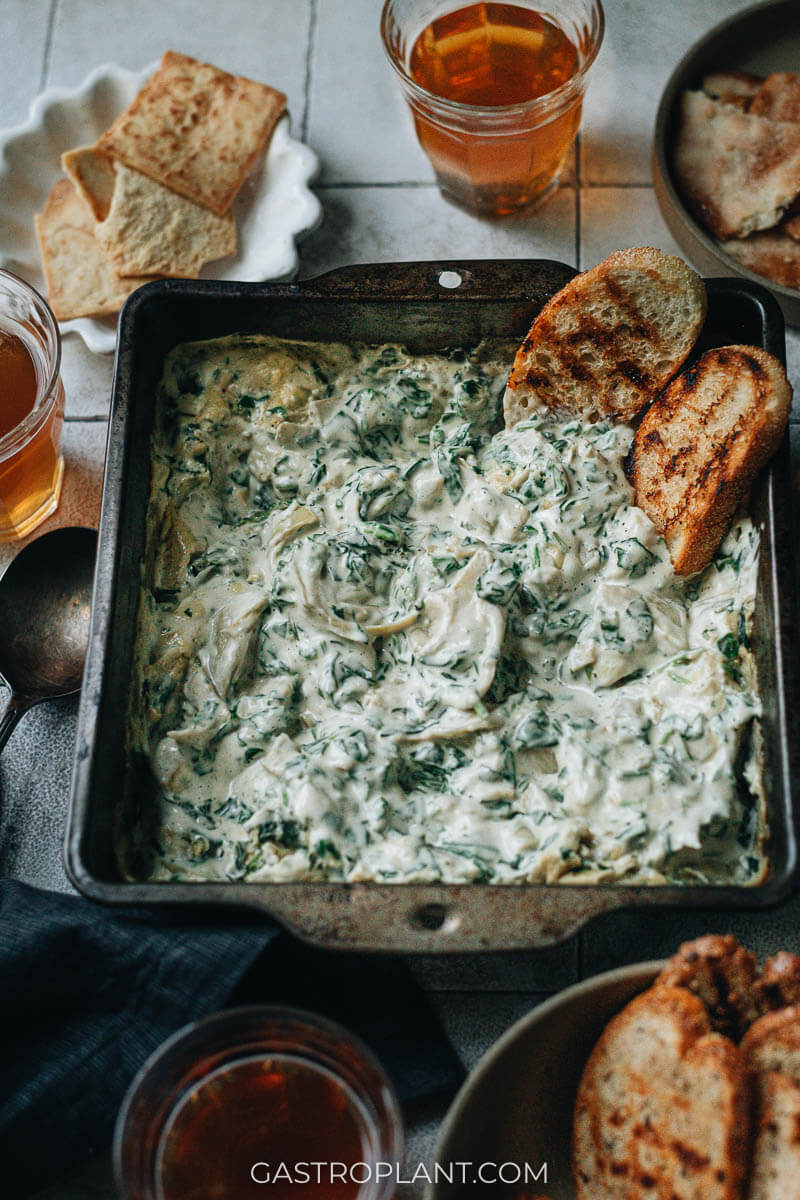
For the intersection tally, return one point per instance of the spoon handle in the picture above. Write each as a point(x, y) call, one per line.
point(8, 722)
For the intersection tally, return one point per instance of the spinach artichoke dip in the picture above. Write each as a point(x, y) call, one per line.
point(380, 640)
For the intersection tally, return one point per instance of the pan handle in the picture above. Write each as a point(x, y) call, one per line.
point(534, 279)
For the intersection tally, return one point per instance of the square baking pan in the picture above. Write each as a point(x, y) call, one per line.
point(428, 306)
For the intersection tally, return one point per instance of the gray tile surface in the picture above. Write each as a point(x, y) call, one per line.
point(87, 378)
point(22, 60)
point(267, 41)
point(381, 224)
point(352, 90)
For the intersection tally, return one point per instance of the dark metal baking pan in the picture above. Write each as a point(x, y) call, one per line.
point(409, 303)
point(761, 39)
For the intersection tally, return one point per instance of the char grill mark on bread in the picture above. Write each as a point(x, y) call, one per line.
point(663, 1106)
point(701, 444)
point(723, 975)
point(610, 339)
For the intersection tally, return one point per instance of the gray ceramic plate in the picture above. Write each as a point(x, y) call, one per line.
point(761, 39)
point(516, 1106)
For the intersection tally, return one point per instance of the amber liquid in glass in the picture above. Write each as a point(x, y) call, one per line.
point(30, 474)
point(492, 55)
point(255, 1118)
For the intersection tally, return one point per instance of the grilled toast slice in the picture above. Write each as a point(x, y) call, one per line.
point(775, 1169)
point(701, 444)
point(725, 977)
point(663, 1106)
point(771, 1049)
point(610, 339)
point(772, 1043)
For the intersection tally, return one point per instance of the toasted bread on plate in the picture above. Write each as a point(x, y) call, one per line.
point(663, 1106)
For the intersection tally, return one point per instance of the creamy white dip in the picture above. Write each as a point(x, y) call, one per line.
point(379, 640)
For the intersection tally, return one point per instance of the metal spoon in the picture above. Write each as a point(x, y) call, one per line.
point(45, 602)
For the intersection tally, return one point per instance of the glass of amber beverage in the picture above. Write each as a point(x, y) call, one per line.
point(259, 1101)
point(495, 91)
point(31, 409)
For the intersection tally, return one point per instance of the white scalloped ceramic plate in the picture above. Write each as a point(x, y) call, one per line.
point(273, 207)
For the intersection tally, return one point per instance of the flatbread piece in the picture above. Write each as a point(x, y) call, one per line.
point(732, 87)
point(196, 129)
point(80, 280)
point(738, 171)
point(778, 97)
point(773, 254)
point(151, 230)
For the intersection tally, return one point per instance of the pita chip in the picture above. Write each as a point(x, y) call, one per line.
point(196, 129)
point(80, 279)
point(151, 230)
point(94, 175)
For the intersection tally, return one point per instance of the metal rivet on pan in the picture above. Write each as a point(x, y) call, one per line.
point(450, 279)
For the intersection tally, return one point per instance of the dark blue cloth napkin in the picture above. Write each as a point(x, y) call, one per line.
point(87, 994)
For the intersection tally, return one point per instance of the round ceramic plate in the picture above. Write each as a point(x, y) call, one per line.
point(514, 1113)
point(760, 39)
point(273, 207)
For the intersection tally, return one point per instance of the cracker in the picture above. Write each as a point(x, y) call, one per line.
point(80, 280)
point(196, 129)
point(94, 175)
point(151, 230)
point(739, 172)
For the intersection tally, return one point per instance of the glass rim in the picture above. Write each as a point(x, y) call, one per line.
point(549, 100)
point(234, 1022)
point(17, 437)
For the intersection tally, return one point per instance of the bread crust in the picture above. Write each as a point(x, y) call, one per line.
point(609, 340)
point(723, 975)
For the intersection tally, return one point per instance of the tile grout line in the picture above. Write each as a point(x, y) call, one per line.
point(312, 31)
point(48, 43)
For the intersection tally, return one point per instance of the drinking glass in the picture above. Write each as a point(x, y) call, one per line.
point(495, 159)
point(31, 465)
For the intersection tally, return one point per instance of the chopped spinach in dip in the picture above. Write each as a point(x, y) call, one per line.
point(380, 640)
